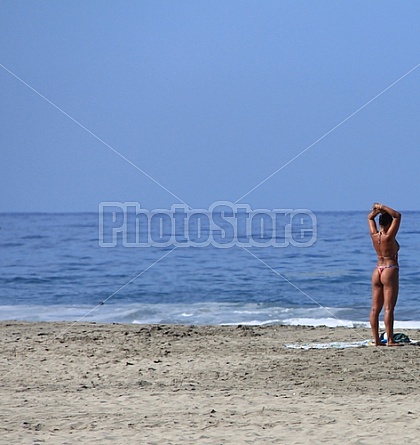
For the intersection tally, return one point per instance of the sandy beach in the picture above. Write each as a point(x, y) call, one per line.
point(86, 383)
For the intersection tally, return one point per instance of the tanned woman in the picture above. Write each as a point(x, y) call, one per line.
point(385, 276)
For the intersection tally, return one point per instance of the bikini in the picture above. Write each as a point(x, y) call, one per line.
point(391, 266)
point(393, 257)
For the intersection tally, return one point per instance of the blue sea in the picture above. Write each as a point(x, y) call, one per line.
point(53, 268)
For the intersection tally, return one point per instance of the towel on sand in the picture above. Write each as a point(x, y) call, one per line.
point(398, 338)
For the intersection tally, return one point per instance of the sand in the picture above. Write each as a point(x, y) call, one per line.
point(87, 383)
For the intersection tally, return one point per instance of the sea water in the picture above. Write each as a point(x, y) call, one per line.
point(53, 268)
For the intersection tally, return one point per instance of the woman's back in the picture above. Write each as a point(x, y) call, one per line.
point(386, 246)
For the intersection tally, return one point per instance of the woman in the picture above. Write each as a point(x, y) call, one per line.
point(385, 277)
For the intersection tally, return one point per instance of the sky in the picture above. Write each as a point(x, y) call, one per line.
point(278, 104)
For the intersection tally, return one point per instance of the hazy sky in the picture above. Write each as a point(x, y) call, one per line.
point(160, 101)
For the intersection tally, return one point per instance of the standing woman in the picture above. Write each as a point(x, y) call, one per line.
point(385, 277)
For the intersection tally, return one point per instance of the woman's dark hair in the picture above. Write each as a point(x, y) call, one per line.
point(385, 219)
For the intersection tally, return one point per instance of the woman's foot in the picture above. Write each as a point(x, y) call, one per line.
point(394, 344)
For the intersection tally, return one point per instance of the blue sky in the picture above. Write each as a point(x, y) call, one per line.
point(151, 101)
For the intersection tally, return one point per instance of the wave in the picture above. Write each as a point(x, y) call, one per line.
point(196, 314)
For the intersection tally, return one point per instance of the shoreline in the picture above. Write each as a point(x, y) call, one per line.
point(64, 382)
point(329, 322)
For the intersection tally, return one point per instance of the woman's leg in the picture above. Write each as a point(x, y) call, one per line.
point(390, 281)
point(377, 304)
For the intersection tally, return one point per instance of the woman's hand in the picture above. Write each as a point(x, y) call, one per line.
point(376, 209)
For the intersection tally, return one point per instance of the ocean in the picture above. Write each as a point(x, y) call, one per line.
point(54, 267)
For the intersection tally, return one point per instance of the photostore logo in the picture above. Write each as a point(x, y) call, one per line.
point(223, 225)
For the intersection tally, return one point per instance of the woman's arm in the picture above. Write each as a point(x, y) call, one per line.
point(395, 225)
point(371, 218)
point(392, 212)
